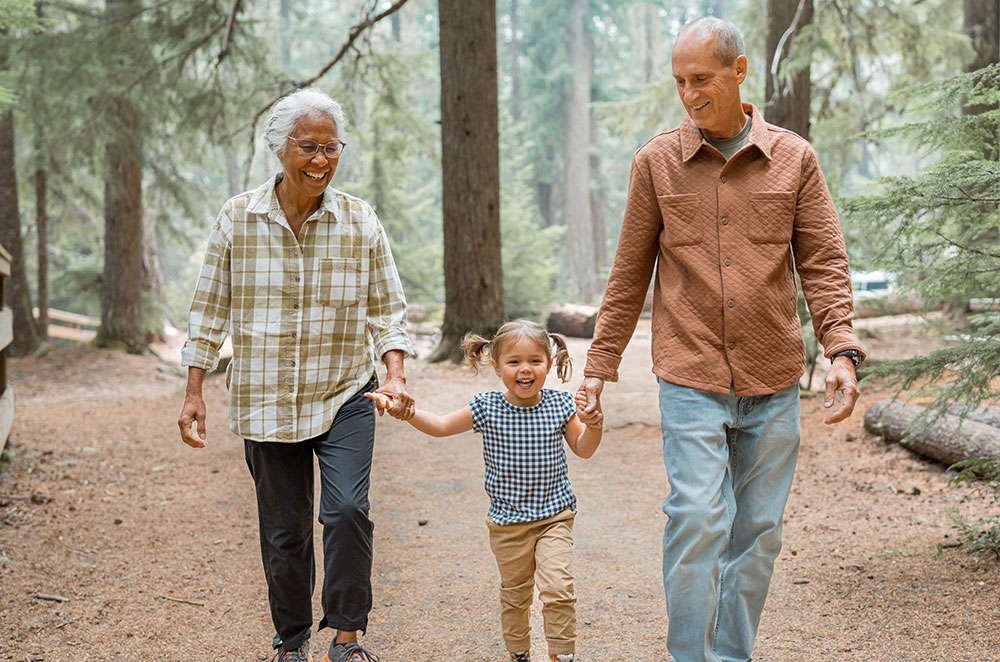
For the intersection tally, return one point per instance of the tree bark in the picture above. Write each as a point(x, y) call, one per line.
point(470, 159)
point(576, 200)
point(948, 439)
point(983, 414)
point(982, 25)
point(121, 282)
point(787, 97)
point(573, 320)
point(42, 228)
point(26, 338)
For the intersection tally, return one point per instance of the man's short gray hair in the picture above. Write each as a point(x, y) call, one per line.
point(728, 40)
point(291, 108)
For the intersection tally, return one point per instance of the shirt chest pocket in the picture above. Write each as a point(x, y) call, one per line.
point(680, 219)
point(338, 282)
point(773, 217)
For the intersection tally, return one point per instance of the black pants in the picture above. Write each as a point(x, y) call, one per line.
point(283, 477)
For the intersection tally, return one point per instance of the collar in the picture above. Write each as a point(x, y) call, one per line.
point(264, 200)
point(692, 140)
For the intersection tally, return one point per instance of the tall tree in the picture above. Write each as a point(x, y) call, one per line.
point(26, 338)
point(788, 90)
point(576, 201)
point(121, 281)
point(982, 25)
point(470, 160)
point(42, 228)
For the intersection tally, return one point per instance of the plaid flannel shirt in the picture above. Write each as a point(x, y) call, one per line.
point(307, 316)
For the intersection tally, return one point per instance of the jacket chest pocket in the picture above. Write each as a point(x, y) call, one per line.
point(338, 282)
point(680, 219)
point(773, 217)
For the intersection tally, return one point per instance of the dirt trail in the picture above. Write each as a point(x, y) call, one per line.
point(155, 544)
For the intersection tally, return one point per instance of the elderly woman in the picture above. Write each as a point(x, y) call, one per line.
point(302, 277)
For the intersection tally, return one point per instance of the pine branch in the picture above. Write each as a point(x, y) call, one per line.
point(228, 36)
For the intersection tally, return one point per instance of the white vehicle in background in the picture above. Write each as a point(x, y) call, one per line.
point(872, 284)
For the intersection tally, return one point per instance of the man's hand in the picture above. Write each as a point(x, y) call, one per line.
point(591, 389)
point(192, 411)
point(841, 378)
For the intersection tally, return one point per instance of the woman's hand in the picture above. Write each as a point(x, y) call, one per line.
point(400, 402)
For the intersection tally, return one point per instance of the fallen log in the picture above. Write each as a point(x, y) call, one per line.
point(573, 320)
point(948, 439)
point(983, 413)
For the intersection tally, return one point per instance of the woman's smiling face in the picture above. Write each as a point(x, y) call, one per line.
point(308, 176)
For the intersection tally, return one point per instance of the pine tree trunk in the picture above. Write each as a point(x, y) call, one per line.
point(576, 201)
point(787, 98)
point(470, 156)
point(121, 282)
point(597, 215)
point(26, 338)
point(947, 440)
point(42, 223)
point(982, 25)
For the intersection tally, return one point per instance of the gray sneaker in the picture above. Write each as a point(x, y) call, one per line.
point(300, 654)
point(352, 652)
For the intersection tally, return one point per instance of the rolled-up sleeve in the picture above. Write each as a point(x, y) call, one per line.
point(386, 302)
point(208, 320)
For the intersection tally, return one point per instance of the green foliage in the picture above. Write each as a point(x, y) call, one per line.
point(984, 534)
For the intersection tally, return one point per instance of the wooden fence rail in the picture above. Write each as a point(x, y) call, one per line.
point(70, 326)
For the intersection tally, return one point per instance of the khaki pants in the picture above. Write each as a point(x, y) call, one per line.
point(539, 553)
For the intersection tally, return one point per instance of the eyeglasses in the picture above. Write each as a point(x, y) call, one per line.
point(307, 147)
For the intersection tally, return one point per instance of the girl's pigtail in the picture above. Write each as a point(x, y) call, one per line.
point(564, 365)
point(476, 350)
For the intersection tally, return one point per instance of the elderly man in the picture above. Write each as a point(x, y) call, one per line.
point(725, 206)
point(301, 276)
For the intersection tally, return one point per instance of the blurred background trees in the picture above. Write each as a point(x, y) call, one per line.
point(131, 122)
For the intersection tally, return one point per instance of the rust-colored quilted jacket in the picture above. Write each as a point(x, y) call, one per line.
point(725, 238)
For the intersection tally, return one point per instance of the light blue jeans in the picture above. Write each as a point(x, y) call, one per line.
point(730, 463)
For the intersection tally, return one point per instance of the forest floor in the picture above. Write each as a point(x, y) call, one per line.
point(150, 547)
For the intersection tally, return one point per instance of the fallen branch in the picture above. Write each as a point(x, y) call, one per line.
point(34, 498)
point(947, 439)
point(187, 602)
point(52, 598)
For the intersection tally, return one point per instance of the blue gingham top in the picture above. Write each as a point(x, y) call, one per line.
point(525, 453)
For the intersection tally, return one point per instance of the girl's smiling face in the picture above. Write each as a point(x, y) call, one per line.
point(522, 368)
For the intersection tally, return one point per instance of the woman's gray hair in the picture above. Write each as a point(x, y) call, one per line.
point(728, 40)
point(295, 106)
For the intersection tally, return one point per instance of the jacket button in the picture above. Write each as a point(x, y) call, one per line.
point(732, 345)
point(725, 220)
point(722, 179)
point(726, 262)
point(731, 303)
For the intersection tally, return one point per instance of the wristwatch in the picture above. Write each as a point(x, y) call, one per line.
point(852, 354)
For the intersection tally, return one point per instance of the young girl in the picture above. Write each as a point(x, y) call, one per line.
point(532, 505)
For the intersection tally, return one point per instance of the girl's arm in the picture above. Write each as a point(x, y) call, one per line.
point(584, 439)
point(442, 426)
point(437, 426)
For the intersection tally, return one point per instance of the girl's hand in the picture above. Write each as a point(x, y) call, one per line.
point(382, 401)
point(594, 419)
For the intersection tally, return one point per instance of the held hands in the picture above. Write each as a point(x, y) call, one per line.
point(841, 377)
point(385, 403)
point(592, 419)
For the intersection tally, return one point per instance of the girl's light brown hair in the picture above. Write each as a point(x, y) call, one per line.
point(479, 350)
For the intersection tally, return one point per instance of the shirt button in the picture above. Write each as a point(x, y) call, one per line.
point(722, 179)
point(725, 220)
point(731, 303)
point(293, 334)
point(295, 306)
point(726, 262)
point(732, 345)
point(295, 278)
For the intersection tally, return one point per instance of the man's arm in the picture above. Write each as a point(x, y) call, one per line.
point(821, 261)
point(638, 246)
